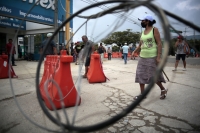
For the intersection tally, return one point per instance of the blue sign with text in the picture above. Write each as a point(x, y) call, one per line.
point(42, 12)
point(12, 23)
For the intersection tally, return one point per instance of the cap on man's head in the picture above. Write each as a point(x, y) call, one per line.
point(146, 17)
point(180, 37)
point(49, 34)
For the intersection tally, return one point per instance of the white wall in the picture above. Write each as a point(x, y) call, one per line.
point(31, 44)
point(34, 26)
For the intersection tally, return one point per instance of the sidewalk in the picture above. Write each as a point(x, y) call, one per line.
point(178, 113)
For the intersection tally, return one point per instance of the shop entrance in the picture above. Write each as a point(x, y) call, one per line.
point(2, 43)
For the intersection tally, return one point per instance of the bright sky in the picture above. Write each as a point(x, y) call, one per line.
point(98, 29)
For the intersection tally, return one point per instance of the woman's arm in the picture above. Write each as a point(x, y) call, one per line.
point(158, 41)
point(187, 47)
point(159, 44)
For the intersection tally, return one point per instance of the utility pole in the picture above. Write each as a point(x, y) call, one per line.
point(86, 28)
point(63, 35)
point(56, 23)
point(185, 32)
point(67, 30)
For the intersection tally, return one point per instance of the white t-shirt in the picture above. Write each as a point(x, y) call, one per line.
point(180, 48)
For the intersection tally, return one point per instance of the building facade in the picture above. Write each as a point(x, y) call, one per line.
point(28, 21)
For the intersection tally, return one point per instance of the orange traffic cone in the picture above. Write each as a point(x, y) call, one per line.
point(95, 73)
point(4, 67)
point(60, 72)
point(105, 55)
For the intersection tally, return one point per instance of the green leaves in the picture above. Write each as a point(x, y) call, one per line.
point(122, 37)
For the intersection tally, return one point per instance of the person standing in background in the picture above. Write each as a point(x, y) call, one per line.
point(180, 54)
point(192, 52)
point(101, 51)
point(121, 51)
point(9, 46)
point(77, 50)
point(88, 49)
point(132, 49)
point(19, 51)
point(51, 48)
point(125, 49)
point(109, 51)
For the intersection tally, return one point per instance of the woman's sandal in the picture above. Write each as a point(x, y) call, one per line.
point(163, 96)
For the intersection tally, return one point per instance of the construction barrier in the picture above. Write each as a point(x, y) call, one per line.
point(119, 55)
point(95, 73)
point(129, 54)
point(136, 54)
point(105, 55)
point(57, 68)
point(115, 54)
point(4, 67)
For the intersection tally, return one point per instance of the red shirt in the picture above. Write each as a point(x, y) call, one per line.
point(9, 47)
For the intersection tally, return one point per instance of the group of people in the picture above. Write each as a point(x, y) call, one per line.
point(124, 50)
point(87, 47)
point(150, 49)
point(101, 50)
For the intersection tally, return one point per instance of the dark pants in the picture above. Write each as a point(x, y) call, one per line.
point(20, 54)
point(87, 62)
point(125, 58)
point(180, 56)
point(12, 58)
point(109, 56)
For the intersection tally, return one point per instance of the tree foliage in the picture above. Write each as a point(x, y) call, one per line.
point(115, 49)
point(122, 37)
point(38, 39)
point(195, 44)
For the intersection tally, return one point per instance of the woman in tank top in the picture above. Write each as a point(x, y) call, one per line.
point(150, 48)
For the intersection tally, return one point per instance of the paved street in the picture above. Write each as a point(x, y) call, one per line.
point(190, 60)
point(178, 113)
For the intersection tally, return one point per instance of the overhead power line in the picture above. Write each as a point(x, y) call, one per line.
point(130, 18)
